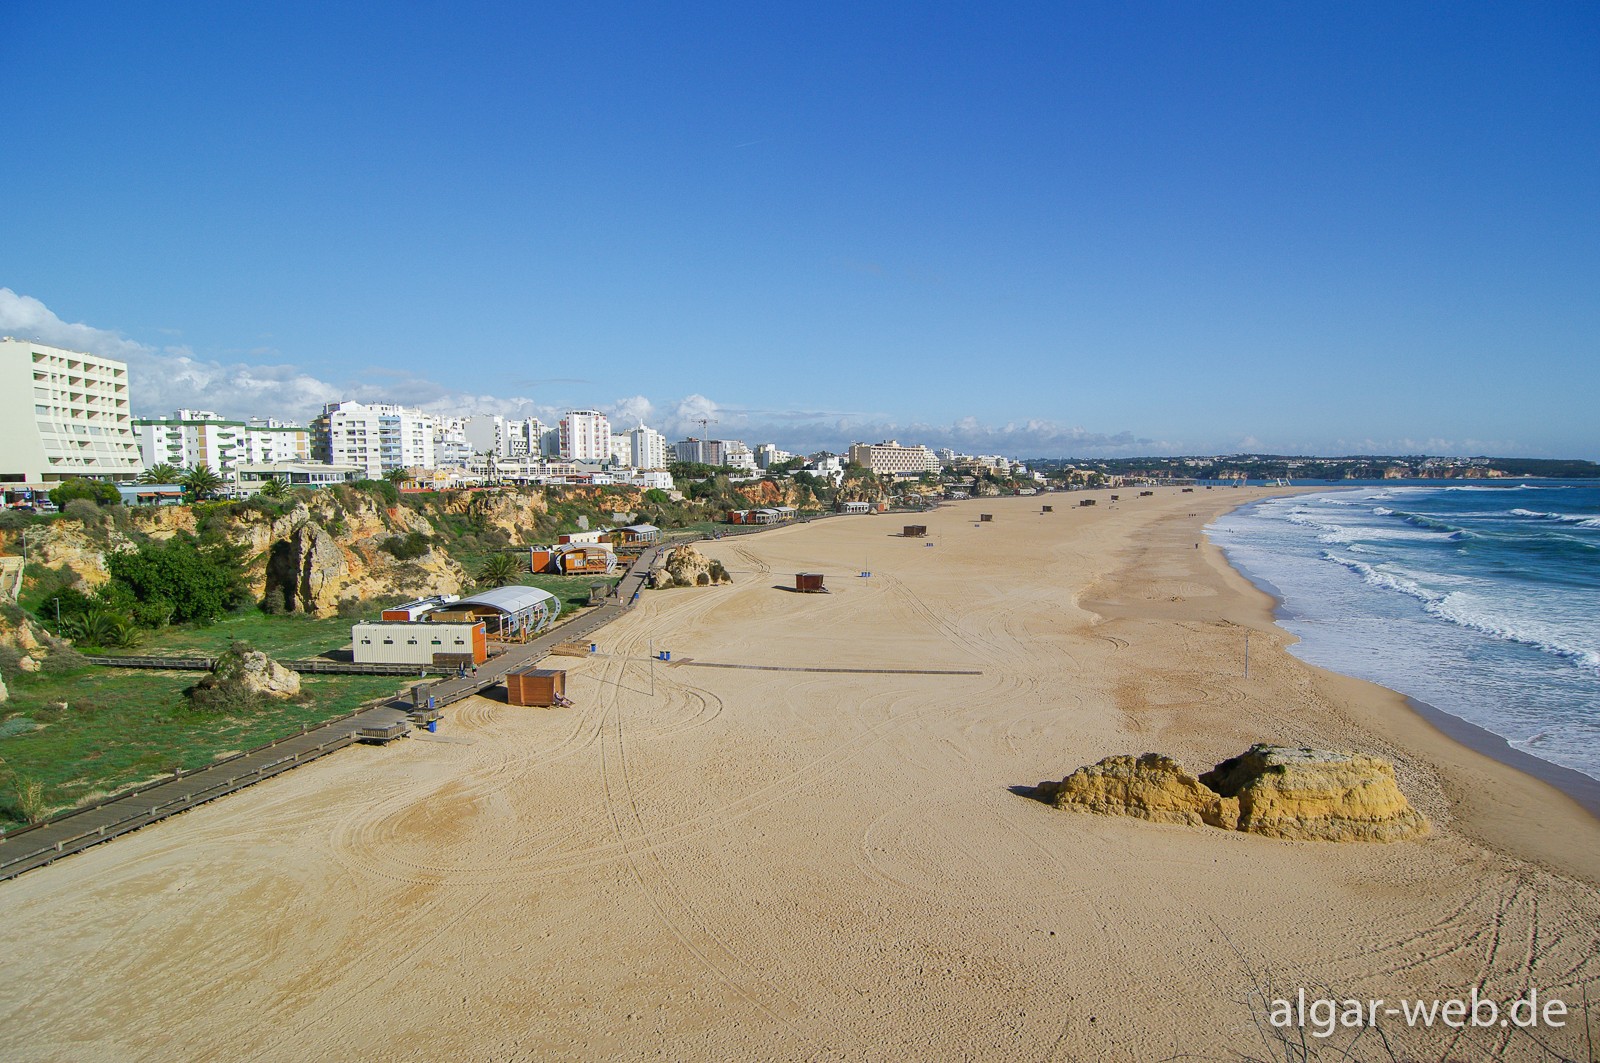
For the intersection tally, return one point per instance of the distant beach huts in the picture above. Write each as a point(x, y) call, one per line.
point(914, 531)
point(1085, 501)
point(809, 583)
point(985, 518)
point(1047, 509)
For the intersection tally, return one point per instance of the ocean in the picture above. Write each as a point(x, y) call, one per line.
point(1481, 600)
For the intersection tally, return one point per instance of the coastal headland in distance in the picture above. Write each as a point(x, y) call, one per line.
point(775, 863)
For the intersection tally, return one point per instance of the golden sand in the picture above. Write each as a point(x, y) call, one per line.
point(772, 863)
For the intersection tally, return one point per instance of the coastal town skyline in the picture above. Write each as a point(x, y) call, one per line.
point(1079, 233)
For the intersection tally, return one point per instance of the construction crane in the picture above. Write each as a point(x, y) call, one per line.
point(702, 422)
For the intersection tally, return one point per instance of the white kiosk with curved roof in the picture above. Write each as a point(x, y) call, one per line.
point(511, 613)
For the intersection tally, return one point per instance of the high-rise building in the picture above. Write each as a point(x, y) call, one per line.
point(375, 437)
point(645, 448)
point(890, 457)
point(585, 436)
point(270, 441)
point(63, 414)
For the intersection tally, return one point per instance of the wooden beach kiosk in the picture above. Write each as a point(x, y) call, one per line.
point(809, 583)
point(914, 531)
point(541, 687)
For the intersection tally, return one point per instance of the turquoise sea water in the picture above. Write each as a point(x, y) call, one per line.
point(1483, 601)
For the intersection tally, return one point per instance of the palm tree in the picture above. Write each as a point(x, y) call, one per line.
point(398, 477)
point(497, 570)
point(273, 489)
point(162, 473)
point(201, 482)
point(98, 626)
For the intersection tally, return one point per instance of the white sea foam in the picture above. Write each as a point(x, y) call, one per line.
point(1472, 611)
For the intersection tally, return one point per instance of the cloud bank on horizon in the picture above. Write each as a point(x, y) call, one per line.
point(165, 379)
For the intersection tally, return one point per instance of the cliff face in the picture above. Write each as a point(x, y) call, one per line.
point(763, 494)
point(319, 555)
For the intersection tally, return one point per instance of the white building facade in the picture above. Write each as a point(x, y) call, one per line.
point(585, 436)
point(63, 414)
point(375, 437)
point(890, 457)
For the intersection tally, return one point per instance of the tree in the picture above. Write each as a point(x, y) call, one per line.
point(201, 483)
point(162, 473)
point(273, 489)
point(398, 477)
point(97, 491)
point(497, 570)
point(180, 579)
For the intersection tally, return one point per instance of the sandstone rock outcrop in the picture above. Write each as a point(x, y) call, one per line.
point(1149, 786)
point(687, 567)
point(246, 671)
point(1316, 794)
point(1276, 791)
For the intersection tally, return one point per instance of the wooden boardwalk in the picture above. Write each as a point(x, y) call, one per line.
point(78, 829)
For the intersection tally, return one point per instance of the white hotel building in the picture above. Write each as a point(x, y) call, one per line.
point(63, 414)
point(890, 457)
point(375, 437)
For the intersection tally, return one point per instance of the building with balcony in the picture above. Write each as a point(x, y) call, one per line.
point(63, 414)
point(377, 438)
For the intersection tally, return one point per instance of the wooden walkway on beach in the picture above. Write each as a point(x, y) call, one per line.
point(75, 830)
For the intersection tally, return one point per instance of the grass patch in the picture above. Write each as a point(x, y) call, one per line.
point(286, 637)
point(121, 727)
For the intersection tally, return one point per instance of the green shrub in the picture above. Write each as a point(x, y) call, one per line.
point(93, 490)
point(408, 547)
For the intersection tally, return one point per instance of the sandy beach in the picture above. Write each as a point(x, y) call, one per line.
point(774, 862)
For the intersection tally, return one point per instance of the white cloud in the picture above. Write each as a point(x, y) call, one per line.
point(165, 379)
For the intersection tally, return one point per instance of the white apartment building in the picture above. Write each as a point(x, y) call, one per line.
point(737, 455)
point(63, 414)
point(646, 448)
point(768, 455)
point(192, 438)
point(890, 457)
point(268, 440)
point(451, 450)
point(375, 437)
point(504, 437)
point(585, 436)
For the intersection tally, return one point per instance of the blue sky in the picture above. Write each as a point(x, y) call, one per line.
point(1042, 229)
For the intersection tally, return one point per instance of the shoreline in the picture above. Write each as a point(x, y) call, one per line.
point(815, 849)
point(1582, 789)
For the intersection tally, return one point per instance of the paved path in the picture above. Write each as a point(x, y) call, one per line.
point(77, 830)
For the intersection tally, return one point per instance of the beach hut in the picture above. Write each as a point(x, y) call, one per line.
point(1085, 501)
point(985, 517)
point(809, 583)
point(1048, 509)
point(541, 687)
point(914, 531)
